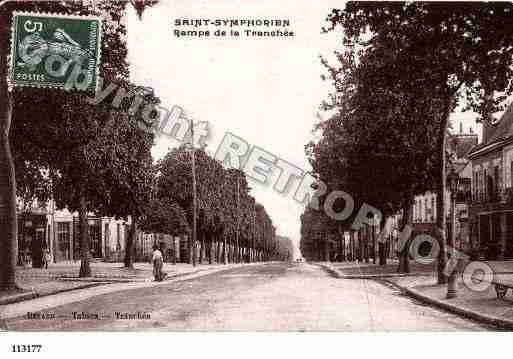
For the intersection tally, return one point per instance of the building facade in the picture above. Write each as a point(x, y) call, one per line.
point(425, 205)
point(491, 212)
point(42, 227)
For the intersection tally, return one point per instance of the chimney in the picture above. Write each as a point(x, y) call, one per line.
point(487, 130)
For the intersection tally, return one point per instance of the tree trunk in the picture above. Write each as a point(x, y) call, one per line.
point(190, 245)
point(210, 245)
point(360, 246)
point(130, 245)
point(343, 249)
point(440, 197)
point(237, 255)
point(404, 261)
point(326, 254)
point(382, 242)
point(176, 249)
point(374, 246)
point(8, 219)
point(85, 267)
point(218, 250)
point(382, 254)
point(351, 240)
point(225, 253)
point(366, 244)
point(202, 248)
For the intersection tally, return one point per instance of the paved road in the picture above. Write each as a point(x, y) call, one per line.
point(278, 297)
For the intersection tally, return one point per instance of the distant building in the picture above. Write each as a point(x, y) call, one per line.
point(424, 206)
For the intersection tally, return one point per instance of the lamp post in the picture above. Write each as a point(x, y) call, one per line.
point(452, 180)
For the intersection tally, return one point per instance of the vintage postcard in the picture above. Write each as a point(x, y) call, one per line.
point(255, 166)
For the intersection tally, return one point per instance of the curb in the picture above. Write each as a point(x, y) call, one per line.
point(337, 274)
point(466, 313)
point(381, 276)
point(18, 298)
point(100, 280)
point(332, 271)
point(33, 294)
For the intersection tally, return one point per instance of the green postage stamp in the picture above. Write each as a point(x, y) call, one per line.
point(55, 50)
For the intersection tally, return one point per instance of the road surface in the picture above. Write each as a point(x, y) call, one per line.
point(277, 297)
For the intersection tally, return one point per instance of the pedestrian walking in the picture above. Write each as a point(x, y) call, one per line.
point(158, 262)
point(46, 257)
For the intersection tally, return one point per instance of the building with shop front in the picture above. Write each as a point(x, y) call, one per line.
point(42, 226)
point(491, 212)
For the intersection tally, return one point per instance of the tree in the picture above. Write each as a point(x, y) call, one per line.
point(125, 165)
point(65, 107)
point(175, 185)
point(228, 213)
point(8, 215)
point(236, 190)
point(161, 216)
point(447, 51)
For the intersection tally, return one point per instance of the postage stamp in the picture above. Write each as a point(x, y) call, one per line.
point(55, 50)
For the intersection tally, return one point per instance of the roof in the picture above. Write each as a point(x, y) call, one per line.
point(503, 128)
point(461, 144)
point(496, 135)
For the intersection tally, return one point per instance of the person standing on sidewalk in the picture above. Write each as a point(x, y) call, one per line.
point(46, 257)
point(158, 262)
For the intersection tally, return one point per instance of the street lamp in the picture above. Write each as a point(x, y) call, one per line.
point(452, 180)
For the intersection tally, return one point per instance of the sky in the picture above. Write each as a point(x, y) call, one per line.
point(265, 90)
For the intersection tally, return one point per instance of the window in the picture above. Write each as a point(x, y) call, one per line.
point(486, 184)
point(432, 209)
point(474, 185)
point(118, 239)
point(426, 214)
point(63, 236)
point(95, 238)
point(490, 187)
point(497, 182)
point(481, 184)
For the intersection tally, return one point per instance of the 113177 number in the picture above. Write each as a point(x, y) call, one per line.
point(26, 348)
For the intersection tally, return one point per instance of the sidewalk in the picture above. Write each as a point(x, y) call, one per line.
point(362, 270)
point(63, 277)
point(38, 304)
point(481, 306)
